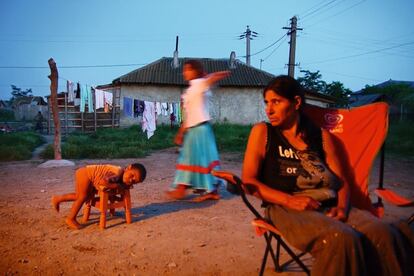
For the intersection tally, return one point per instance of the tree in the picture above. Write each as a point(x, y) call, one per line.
point(313, 81)
point(397, 93)
point(18, 92)
point(336, 89)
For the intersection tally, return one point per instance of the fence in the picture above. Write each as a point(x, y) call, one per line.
point(72, 119)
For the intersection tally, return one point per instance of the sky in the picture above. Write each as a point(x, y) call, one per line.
point(355, 42)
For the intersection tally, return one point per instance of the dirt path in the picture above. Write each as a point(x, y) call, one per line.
point(166, 237)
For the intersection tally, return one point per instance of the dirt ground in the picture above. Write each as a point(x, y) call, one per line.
point(166, 237)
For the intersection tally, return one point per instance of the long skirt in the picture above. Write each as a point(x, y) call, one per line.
point(198, 157)
point(364, 245)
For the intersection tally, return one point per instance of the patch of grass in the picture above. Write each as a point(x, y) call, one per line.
point(231, 137)
point(133, 143)
point(18, 145)
point(113, 143)
point(400, 140)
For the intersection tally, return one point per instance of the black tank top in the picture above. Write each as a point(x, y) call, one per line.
point(289, 170)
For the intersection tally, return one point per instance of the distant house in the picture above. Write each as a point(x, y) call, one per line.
point(236, 99)
point(5, 104)
point(26, 108)
point(359, 98)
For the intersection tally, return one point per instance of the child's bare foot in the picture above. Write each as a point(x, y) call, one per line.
point(55, 203)
point(178, 193)
point(73, 224)
point(208, 196)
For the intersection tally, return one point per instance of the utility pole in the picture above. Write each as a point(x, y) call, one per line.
point(292, 32)
point(248, 34)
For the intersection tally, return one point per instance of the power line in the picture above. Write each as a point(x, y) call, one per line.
point(264, 49)
point(338, 13)
point(275, 49)
point(74, 66)
point(320, 9)
point(361, 54)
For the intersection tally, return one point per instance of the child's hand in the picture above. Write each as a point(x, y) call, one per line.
point(112, 179)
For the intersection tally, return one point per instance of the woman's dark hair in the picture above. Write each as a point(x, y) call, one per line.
point(141, 169)
point(289, 88)
point(196, 66)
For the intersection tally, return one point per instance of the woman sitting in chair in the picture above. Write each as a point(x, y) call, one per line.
point(285, 163)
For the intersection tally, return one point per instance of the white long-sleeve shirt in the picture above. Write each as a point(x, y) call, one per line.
point(195, 102)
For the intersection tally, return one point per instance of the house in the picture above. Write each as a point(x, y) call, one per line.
point(26, 108)
point(398, 108)
point(236, 99)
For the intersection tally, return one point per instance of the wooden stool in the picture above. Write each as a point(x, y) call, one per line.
point(108, 199)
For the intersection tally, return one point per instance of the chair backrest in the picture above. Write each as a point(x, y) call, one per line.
point(359, 134)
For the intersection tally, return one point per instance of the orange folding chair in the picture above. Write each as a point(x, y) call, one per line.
point(358, 135)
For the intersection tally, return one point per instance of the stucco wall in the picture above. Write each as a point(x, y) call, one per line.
point(233, 105)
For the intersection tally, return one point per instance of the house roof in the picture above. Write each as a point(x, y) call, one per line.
point(363, 99)
point(390, 82)
point(162, 72)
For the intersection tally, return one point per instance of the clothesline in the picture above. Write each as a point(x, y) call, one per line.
point(103, 99)
point(149, 110)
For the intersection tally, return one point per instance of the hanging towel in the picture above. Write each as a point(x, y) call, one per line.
point(128, 111)
point(90, 101)
point(164, 109)
point(108, 101)
point(170, 109)
point(99, 98)
point(70, 86)
point(158, 108)
point(148, 119)
point(83, 98)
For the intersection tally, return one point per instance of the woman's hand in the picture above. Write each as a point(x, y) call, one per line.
point(337, 213)
point(302, 203)
point(179, 137)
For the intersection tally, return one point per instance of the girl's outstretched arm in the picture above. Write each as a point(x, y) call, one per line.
point(216, 76)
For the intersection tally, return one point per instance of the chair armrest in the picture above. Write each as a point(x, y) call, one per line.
point(394, 198)
point(234, 183)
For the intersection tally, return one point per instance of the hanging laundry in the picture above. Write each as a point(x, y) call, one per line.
point(170, 108)
point(76, 101)
point(83, 98)
point(164, 109)
point(158, 108)
point(108, 101)
point(90, 101)
point(99, 98)
point(128, 111)
point(141, 107)
point(136, 105)
point(70, 87)
point(148, 119)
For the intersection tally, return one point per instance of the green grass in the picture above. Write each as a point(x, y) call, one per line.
point(133, 143)
point(113, 143)
point(18, 145)
point(231, 138)
point(400, 140)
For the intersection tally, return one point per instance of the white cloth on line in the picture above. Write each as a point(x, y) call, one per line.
point(148, 119)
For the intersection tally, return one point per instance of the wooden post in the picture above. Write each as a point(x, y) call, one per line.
point(66, 115)
point(94, 110)
point(55, 110)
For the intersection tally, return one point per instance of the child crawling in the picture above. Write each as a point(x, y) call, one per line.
point(92, 177)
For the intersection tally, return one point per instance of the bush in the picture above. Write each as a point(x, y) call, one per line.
point(19, 145)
